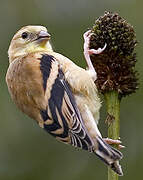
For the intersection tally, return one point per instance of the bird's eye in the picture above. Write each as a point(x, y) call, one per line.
point(24, 35)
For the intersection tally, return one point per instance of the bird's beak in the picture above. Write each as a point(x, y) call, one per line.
point(43, 35)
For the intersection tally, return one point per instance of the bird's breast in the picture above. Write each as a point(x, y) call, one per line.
point(24, 82)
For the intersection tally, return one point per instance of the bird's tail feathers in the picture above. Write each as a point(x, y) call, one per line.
point(109, 155)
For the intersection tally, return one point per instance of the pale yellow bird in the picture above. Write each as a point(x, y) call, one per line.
point(61, 96)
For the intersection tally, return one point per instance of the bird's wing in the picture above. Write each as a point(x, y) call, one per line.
point(62, 118)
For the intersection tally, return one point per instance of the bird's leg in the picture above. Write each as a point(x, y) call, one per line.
point(86, 37)
point(87, 52)
point(114, 141)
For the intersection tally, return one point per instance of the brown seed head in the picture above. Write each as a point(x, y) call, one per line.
point(115, 66)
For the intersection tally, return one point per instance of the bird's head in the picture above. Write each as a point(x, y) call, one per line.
point(29, 39)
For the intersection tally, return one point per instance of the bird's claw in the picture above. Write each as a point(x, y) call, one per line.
point(114, 142)
point(98, 51)
point(86, 34)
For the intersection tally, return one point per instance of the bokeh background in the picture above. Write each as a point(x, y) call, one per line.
point(26, 151)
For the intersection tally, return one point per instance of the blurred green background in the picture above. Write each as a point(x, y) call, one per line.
point(26, 151)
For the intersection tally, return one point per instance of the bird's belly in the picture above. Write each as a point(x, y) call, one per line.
point(89, 110)
point(92, 104)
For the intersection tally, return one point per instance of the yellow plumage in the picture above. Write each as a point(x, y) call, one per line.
point(58, 94)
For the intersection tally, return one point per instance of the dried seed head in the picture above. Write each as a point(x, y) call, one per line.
point(115, 66)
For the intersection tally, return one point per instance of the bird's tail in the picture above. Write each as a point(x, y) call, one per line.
point(108, 155)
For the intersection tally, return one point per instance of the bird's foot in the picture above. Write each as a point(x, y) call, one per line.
point(87, 36)
point(114, 142)
point(98, 51)
point(87, 52)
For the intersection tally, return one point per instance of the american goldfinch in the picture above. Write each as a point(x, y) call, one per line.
point(61, 96)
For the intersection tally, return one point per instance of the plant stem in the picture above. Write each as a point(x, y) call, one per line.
point(113, 109)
